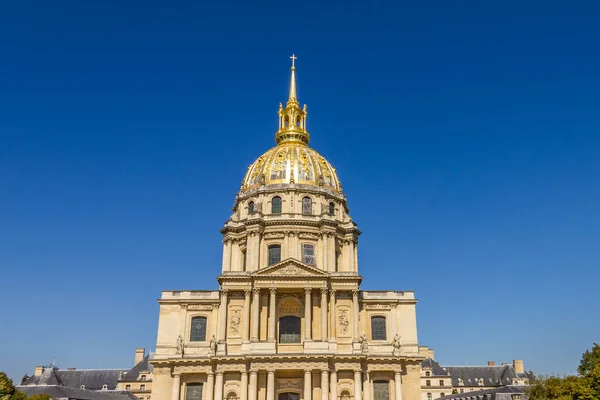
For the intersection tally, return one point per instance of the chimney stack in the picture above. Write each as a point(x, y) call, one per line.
point(518, 366)
point(38, 371)
point(491, 363)
point(140, 353)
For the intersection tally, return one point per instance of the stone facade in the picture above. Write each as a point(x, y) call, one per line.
point(289, 321)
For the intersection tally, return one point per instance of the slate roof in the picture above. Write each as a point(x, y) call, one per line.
point(92, 379)
point(497, 375)
point(64, 392)
point(133, 374)
point(499, 393)
point(436, 370)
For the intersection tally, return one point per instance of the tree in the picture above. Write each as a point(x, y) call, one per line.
point(8, 391)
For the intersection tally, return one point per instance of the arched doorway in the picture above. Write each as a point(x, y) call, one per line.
point(288, 396)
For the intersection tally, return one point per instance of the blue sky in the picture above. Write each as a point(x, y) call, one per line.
point(466, 135)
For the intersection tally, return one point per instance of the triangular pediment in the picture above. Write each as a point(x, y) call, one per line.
point(290, 267)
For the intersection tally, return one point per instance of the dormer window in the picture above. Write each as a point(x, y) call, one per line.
point(427, 373)
point(251, 208)
point(143, 377)
point(480, 382)
point(104, 387)
point(82, 387)
point(460, 382)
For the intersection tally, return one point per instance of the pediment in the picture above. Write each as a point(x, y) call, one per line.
point(290, 268)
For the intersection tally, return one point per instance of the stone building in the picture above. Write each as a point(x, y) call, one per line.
point(138, 380)
point(289, 321)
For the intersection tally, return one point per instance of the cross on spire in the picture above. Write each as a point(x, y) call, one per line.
point(294, 58)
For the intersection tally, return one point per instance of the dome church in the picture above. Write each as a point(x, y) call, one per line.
point(289, 321)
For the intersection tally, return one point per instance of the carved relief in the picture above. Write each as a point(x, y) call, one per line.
point(197, 306)
point(289, 384)
point(344, 322)
point(234, 324)
point(290, 305)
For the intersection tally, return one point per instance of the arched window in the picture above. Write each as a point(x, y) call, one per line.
point(276, 205)
point(251, 208)
point(331, 209)
point(193, 391)
point(289, 329)
point(274, 254)
point(381, 390)
point(308, 254)
point(307, 206)
point(243, 260)
point(378, 331)
point(104, 387)
point(288, 396)
point(198, 330)
point(427, 373)
point(429, 396)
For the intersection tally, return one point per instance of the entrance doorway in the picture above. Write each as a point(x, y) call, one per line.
point(288, 396)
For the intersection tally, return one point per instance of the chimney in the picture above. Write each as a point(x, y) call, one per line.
point(139, 355)
point(38, 371)
point(518, 366)
point(491, 363)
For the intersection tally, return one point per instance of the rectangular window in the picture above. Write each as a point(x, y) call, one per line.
point(142, 387)
point(308, 254)
point(441, 382)
point(381, 390)
point(274, 254)
point(378, 331)
point(127, 387)
point(193, 391)
point(427, 382)
point(198, 331)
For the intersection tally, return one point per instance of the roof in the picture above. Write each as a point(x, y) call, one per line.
point(92, 379)
point(134, 373)
point(63, 392)
point(436, 370)
point(499, 375)
point(499, 393)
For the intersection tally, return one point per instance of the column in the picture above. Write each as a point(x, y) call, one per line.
point(332, 337)
point(176, 386)
point(255, 314)
point(223, 315)
point(307, 384)
point(323, 315)
point(367, 387)
point(398, 382)
point(351, 254)
point(219, 386)
point(355, 316)
point(210, 385)
point(244, 386)
point(325, 385)
point(246, 324)
point(235, 256)
point(226, 254)
point(270, 385)
point(307, 314)
point(272, 301)
point(324, 252)
point(331, 252)
point(333, 385)
point(357, 386)
point(253, 389)
point(355, 245)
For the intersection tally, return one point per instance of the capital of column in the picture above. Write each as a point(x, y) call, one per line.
point(224, 291)
point(176, 374)
point(324, 291)
point(307, 290)
point(256, 291)
point(355, 293)
point(272, 290)
point(247, 292)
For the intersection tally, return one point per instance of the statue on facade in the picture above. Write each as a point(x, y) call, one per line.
point(213, 345)
point(364, 346)
point(396, 344)
point(180, 345)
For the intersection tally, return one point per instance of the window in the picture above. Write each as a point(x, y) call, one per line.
point(441, 382)
point(198, 331)
point(127, 387)
point(143, 377)
point(381, 390)
point(378, 328)
point(288, 396)
point(142, 387)
point(274, 254)
point(104, 387)
point(289, 329)
point(427, 382)
point(427, 373)
point(442, 394)
point(428, 396)
point(307, 206)
point(276, 205)
point(308, 254)
point(331, 209)
point(193, 391)
point(243, 260)
point(462, 390)
point(480, 382)
point(251, 208)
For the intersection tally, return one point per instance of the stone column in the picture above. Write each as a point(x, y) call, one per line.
point(357, 386)
point(219, 386)
point(323, 315)
point(235, 256)
point(333, 385)
point(325, 385)
point(331, 252)
point(244, 386)
point(176, 386)
point(398, 382)
point(272, 306)
point(307, 314)
point(332, 331)
point(223, 316)
point(210, 385)
point(255, 313)
point(270, 385)
point(351, 254)
point(355, 316)
point(367, 387)
point(355, 246)
point(324, 248)
point(226, 255)
point(246, 324)
point(307, 384)
point(253, 387)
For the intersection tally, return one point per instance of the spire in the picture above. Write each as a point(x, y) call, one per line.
point(292, 118)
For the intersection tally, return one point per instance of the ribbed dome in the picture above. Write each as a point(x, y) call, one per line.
point(291, 163)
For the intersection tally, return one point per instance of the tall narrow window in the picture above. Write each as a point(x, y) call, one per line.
point(274, 254)
point(427, 373)
point(331, 209)
point(427, 382)
point(307, 206)
point(381, 390)
point(243, 260)
point(198, 331)
point(193, 391)
point(251, 208)
point(378, 331)
point(289, 329)
point(429, 397)
point(276, 205)
point(441, 382)
point(308, 254)
point(142, 387)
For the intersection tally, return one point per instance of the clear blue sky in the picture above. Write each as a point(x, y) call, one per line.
point(466, 135)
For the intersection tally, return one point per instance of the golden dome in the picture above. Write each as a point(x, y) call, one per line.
point(291, 162)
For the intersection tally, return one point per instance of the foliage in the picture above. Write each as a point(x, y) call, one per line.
point(8, 391)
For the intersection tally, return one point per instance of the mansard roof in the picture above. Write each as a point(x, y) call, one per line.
point(499, 393)
point(289, 268)
point(64, 392)
point(133, 374)
point(436, 370)
point(497, 375)
point(92, 379)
